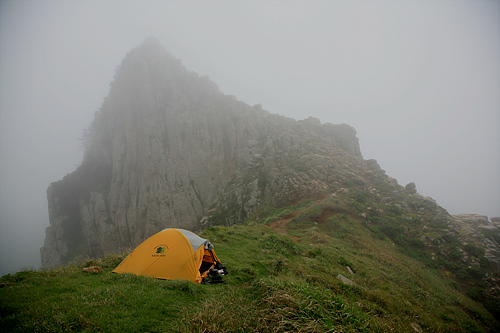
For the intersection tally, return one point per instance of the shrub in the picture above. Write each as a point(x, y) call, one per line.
point(344, 262)
point(376, 232)
point(474, 250)
point(392, 231)
point(360, 196)
point(455, 254)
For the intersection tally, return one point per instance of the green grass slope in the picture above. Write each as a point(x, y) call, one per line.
point(281, 280)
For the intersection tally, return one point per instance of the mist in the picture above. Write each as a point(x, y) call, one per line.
point(418, 80)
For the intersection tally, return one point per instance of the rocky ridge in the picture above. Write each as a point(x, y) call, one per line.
point(168, 149)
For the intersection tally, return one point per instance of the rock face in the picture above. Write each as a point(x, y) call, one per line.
point(168, 149)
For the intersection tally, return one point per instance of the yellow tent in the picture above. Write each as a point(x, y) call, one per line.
point(174, 254)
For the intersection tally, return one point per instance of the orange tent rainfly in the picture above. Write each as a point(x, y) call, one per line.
point(175, 254)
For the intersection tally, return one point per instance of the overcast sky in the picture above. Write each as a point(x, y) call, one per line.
point(419, 81)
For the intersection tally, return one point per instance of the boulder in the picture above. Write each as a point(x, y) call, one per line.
point(345, 280)
point(411, 188)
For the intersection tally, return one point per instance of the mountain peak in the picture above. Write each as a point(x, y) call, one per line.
point(151, 41)
point(168, 149)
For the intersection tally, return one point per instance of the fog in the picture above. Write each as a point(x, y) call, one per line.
point(418, 80)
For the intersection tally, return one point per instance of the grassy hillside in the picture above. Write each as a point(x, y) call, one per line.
point(284, 266)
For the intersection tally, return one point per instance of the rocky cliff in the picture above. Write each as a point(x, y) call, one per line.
point(168, 149)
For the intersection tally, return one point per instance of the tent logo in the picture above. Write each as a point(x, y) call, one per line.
point(160, 250)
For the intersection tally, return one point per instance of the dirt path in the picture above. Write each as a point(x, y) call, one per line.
point(281, 225)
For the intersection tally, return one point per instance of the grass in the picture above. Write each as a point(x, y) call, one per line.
point(69, 300)
point(275, 285)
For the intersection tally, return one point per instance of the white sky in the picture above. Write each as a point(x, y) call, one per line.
point(419, 81)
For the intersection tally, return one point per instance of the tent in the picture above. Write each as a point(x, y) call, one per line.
point(175, 254)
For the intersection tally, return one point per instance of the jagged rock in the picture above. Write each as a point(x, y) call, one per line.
point(373, 165)
point(312, 121)
point(475, 219)
point(477, 229)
